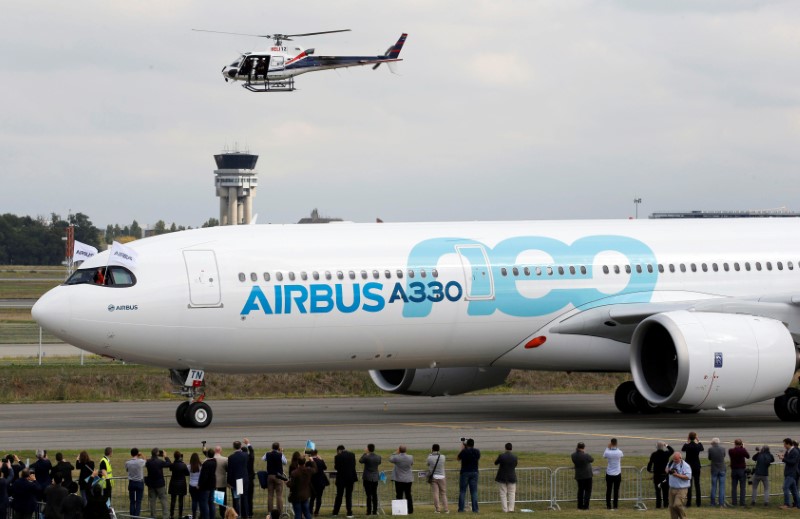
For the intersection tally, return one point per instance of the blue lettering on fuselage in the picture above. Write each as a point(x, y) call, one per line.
point(487, 290)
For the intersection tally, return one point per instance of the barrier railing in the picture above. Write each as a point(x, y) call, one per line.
point(549, 488)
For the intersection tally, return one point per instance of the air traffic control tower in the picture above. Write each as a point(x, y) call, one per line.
point(236, 186)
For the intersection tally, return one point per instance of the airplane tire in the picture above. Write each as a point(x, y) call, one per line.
point(199, 415)
point(787, 406)
point(180, 414)
point(643, 406)
point(625, 398)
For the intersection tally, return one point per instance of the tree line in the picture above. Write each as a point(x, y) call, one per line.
point(38, 241)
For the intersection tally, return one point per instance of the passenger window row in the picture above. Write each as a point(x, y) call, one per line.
point(340, 275)
point(572, 270)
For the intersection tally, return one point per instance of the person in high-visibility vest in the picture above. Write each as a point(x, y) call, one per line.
point(104, 468)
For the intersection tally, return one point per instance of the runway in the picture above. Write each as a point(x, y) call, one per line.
point(542, 423)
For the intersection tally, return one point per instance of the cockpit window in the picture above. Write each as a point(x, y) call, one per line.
point(113, 276)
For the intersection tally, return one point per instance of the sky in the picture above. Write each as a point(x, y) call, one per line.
point(501, 110)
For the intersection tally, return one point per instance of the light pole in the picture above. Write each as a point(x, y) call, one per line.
point(636, 202)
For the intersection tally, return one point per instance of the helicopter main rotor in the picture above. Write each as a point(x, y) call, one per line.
point(279, 38)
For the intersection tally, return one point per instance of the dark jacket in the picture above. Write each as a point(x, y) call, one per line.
point(72, 507)
point(469, 457)
point(5, 485)
point(274, 459)
point(251, 460)
point(344, 464)
point(371, 462)
point(86, 471)
point(64, 468)
point(693, 450)
point(25, 493)
point(790, 461)
point(54, 495)
point(237, 468)
point(763, 461)
point(658, 463)
point(300, 484)
point(96, 507)
point(738, 455)
point(155, 471)
point(177, 482)
point(41, 468)
point(506, 468)
point(319, 479)
point(583, 464)
point(208, 475)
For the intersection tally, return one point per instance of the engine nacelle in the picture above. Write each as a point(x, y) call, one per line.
point(699, 360)
point(438, 381)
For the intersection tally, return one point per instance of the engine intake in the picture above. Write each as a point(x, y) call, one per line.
point(438, 381)
point(700, 360)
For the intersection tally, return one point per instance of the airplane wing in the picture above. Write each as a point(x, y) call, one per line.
point(618, 321)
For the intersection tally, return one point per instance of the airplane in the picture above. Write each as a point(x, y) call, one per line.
point(704, 314)
point(274, 70)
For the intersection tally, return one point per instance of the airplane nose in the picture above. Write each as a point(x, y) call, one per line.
point(52, 311)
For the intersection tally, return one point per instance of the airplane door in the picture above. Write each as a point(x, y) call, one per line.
point(479, 284)
point(203, 276)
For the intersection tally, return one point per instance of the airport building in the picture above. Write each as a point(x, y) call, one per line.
point(236, 182)
point(764, 213)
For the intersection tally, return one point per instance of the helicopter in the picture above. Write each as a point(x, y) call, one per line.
point(274, 70)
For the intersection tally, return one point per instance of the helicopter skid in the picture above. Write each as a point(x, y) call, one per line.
point(286, 85)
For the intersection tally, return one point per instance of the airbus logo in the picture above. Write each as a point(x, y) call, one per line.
point(113, 307)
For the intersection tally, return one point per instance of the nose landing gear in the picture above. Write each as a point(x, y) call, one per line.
point(194, 413)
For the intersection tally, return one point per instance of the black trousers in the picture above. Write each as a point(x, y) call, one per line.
point(612, 487)
point(696, 485)
point(345, 489)
point(371, 490)
point(662, 491)
point(316, 498)
point(584, 493)
point(403, 491)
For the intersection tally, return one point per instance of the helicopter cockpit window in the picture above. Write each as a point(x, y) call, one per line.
point(113, 276)
point(235, 63)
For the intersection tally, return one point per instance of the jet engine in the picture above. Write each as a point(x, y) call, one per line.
point(438, 381)
point(699, 360)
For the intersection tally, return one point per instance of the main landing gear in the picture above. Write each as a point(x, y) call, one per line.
point(629, 401)
point(194, 412)
point(787, 406)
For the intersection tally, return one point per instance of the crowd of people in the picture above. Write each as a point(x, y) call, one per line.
point(675, 474)
point(212, 477)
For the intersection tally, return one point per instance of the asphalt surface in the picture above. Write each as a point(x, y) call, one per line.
point(17, 303)
point(542, 423)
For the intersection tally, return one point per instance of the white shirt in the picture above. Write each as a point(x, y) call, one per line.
point(614, 457)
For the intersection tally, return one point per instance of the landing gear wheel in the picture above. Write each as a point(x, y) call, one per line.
point(787, 406)
point(180, 414)
point(199, 415)
point(643, 406)
point(625, 397)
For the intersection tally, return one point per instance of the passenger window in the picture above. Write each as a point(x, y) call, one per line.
point(605, 269)
point(671, 267)
point(503, 271)
point(683, 267)
point(376, 274)
point(399, 274)
point(560, 271)
point(339, 274)
point(549, 271)
point(769, 265)
point(572, 270)
point(627, 269)
point(779, 265)
point(616, 269)
point(364, 274)
point(387, 274)
point(303, 275)
point(315, 275)
point(410, 273)
point(714, 267)
point(526, 271)
point(328, 274)
point(291, 276)
point(747, 266)
point(736, 266)
point(279, 276)
point(650, 268)
point(435, 273)
point(242, 277)
point(705, 267)
point(758, 265)
point(515, 271)
point(694, 267)
point(638, 269)
point(351, 274)
point(790, 265)
point(583, 269)
point(661, 268)
point(266, 276)
point(726, 267)
point(422, 273)
point(538, 271)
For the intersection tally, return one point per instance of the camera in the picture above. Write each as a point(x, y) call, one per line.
point(464, 440)
point(160, 454)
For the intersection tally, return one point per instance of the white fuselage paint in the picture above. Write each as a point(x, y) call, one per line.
point(160, 321)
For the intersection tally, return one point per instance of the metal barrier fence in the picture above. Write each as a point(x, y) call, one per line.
point(539, 486)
